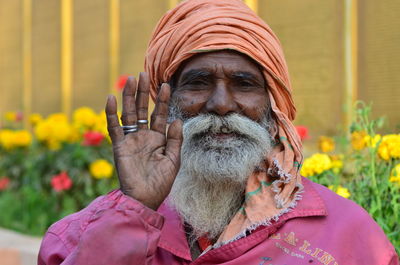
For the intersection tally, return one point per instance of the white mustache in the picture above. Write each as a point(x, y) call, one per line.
point(214, 124)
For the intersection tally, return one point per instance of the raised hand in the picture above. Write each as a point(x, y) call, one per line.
point(147, 159)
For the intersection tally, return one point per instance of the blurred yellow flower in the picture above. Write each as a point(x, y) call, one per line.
point(395, 174)
point(35, 118)
point(85, 117)
point(358, 140)
point(341, 191)
point(75, 134)
point(372, 141)
point(383, 152)
point(101, 124)
point(326, 144)
point(101, 168)
point(22, 138)
point(316, 164)
point(43, 130)
point(7, 138)
point(395, 179)
point(54, 130)
point(11, 139)
point(61, 131)
point(337, 163)
point(10, 116)
point(57, 117)
point(389, 147)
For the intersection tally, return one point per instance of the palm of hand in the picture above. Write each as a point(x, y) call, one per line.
point(147, 160)
point(142, 156)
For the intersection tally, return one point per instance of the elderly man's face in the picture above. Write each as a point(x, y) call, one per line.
point(221, 83)
point(223, 101)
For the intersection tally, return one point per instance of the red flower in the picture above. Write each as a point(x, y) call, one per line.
point(61, 182)
point(19, 116)
point(4, 183)
point(92, 138)
point(120, 84)
point(302, 131)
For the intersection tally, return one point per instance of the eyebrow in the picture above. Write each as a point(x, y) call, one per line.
point(243, 75)
point(194, 74)
point(247, 76)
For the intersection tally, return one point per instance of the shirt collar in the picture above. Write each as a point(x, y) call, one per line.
point(173, 237)
point(310, 204)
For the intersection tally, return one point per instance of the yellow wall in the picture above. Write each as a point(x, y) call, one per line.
point(379, 59)
point(312, 33)
point(46, 94)
point(10, 55)
point(90, 47)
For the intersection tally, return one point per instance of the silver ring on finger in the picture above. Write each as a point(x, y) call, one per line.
point(130, 131)
point(142, 121)
point(130, 128)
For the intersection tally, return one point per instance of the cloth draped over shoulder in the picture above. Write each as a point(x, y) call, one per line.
point(197, 26)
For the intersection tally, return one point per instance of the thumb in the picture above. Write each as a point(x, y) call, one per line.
point(174, 142)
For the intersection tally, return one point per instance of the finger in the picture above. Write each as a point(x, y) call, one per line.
point(160, 113)
point(128, 102)
point(174, 142)
point(142, 99)
point(114, 129)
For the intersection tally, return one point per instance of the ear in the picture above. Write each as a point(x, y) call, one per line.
point(274, 129)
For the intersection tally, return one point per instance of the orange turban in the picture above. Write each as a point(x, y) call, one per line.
point(197, 26)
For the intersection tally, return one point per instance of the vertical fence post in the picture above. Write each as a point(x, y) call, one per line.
point(66, 55)
point(27, 59)
point(114, 42)
point(350, 59)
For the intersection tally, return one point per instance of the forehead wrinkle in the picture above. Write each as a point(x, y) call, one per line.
point(220, 70)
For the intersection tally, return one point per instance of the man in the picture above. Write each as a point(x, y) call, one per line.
point(222, 184)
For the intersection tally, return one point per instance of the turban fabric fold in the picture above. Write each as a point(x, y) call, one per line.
point(197, 26)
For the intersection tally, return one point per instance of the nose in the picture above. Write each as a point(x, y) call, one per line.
point(221, 101)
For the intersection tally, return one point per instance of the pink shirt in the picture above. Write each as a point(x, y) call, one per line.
point(116, 229)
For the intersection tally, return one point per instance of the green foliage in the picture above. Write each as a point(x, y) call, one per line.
point(30, 204)
point(368, 176)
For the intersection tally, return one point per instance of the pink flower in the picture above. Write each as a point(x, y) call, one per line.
point(61, 182)
point(120, 84)
point(92, 138)
point(4, 183)
point(19, 116)
point(302, 131)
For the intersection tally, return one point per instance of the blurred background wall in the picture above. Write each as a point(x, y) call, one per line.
point(59, 55)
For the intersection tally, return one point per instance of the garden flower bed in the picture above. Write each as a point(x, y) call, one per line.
point(53, 170)
point(59, 166)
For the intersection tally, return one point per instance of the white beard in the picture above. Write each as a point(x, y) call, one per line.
point(209, 187)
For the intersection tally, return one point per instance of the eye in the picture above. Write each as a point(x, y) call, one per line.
point(197, 82)
point(245, 83)
point(195, 85)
